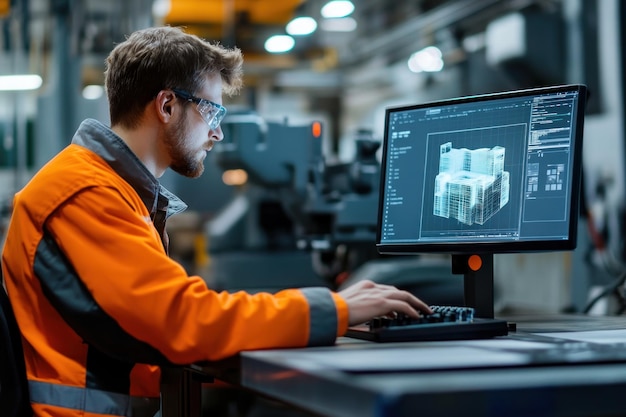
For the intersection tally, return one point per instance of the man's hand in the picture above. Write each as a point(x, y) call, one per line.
point(367, 299)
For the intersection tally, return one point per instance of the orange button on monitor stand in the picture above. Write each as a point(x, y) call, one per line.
point(475, 262)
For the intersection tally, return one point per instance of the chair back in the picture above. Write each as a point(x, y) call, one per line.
point(14, 396)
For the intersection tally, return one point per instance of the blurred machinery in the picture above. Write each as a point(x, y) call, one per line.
point(297, 206)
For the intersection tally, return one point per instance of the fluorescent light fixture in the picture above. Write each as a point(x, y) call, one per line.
point(343, 24)
point(20, 82)
point(301, 26)
point(93, 92)
point(426, 60)
point(337, 8)
point(279, 43)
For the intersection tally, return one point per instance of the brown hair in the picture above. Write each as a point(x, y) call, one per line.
point(154, 59)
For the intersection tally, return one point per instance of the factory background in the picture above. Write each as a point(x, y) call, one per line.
point(353, 65)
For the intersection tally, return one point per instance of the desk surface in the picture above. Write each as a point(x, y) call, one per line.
point(552, 366)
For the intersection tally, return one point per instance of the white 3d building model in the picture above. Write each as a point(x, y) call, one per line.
point(472, 185)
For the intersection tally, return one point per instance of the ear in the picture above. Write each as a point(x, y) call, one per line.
point(164, 105)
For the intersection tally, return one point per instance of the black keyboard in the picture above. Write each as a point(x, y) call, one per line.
point(446, 323)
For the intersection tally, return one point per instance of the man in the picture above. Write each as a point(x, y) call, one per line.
point(96, 297)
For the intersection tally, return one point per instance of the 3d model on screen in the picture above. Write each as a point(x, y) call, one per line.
point(472, 185)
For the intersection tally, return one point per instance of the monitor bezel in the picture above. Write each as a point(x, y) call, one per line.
point(500, 246)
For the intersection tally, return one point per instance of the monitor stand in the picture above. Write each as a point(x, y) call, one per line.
point(477, 270)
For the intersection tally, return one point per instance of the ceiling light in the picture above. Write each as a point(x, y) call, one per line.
point(337, 8)
point(279, 43)
point(426, 60)
point(344, 24)
point(301, 26)
point(161, 8)
point(474, 43)
point(19, 82)
point(235, 177)
point(93, 92)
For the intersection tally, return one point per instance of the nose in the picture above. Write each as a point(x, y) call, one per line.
point(216, 134)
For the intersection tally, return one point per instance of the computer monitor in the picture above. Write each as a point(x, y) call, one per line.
point(474, 176)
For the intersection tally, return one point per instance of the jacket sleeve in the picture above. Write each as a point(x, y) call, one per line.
point(123, 270)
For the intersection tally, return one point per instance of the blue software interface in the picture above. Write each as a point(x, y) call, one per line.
point(489, 169)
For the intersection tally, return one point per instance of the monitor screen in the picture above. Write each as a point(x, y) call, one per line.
point(494, 173)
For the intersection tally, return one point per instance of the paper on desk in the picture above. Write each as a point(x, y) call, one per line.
point(513, 344)
point(413, 357)
point(606, 337)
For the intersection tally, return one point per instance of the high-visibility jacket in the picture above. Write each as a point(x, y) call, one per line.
point(100, 304)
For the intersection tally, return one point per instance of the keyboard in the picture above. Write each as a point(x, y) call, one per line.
point(445, 323)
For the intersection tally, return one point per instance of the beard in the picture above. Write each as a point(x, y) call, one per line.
point(185, 161)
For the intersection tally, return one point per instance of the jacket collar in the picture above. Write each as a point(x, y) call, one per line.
point(100, 139)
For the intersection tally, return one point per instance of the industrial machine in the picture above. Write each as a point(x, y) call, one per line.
point(296, 205)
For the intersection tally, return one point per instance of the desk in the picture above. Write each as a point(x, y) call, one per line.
point(540, 370)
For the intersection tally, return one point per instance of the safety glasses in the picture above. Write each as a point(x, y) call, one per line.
point(212, 113)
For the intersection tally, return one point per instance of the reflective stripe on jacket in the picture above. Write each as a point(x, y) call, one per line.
point(96, 296)
point(56, 399)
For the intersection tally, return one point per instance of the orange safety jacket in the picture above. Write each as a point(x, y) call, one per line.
point(100, 304)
